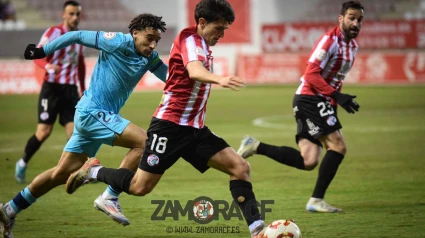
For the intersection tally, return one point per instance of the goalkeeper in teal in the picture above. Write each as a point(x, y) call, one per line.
point(123, 60)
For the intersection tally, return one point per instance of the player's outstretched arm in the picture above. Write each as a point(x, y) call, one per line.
point(198, 72)
point(86, 38)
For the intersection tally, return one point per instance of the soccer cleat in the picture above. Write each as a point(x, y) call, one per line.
point(248, 147)
point(80, 177)
point(319, 205)
point(6, 223)
point(112, 208)
point(258, 232)
point(20, 173)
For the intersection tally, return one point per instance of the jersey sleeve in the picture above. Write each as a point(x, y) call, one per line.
point(322, 51)
point(109, 41)
point(192, 49)
point(157, 66)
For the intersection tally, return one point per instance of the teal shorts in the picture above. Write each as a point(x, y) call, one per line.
point(92, 128)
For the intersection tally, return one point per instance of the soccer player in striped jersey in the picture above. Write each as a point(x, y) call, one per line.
point(122, 62)
point(59, 94)
point(178, 129)
point(315, 108)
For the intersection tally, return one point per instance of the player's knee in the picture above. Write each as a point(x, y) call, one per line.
point(141, 141)
point(310, 164)
point(310, 160)
point(138, 152)
point(339, 147)
point(141, 190)
point(43, 134)
point(242, 171)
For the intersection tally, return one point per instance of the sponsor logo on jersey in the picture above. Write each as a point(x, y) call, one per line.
point(199, 51)
point(313, 128)
point(109, 35)
point(321, 54)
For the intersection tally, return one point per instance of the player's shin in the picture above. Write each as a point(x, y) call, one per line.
point(118, 179)
point(21, 201)
point(244, 196)
point(327, 172)
point(282, 154)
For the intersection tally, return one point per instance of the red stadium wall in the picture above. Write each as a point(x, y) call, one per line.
point(374, 68)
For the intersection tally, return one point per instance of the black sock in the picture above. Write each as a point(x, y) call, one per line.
point(282, 154)
point(119, 179)
point(327, 172)
point(244, 196)
point(32, 146)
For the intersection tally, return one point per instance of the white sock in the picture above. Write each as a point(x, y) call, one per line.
point(93, 171)
point(255, 224)
point(22, 163)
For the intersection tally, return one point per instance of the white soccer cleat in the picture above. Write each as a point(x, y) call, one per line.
point(319, 205)
point(112, 208)
point(248, 147)
point(258, 232)
point(6, 223)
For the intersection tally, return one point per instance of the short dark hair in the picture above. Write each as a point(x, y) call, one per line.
point(351, 4)
point(147, 20)
point(214, 10)
point(72, 3)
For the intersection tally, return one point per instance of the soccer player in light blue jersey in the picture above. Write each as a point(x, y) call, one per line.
point(123, 60)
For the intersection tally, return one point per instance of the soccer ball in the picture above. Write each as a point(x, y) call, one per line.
point(282, 229)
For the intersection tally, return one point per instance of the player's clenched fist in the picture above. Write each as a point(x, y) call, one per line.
point(32, 52)
point(232, 82)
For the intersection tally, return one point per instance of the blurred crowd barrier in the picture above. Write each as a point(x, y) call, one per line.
point(24, 77)
point(268, 43)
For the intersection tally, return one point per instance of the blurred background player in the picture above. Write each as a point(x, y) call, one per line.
point(178, 128)
point(64, 70)
point(315, 107)
point(122, 62)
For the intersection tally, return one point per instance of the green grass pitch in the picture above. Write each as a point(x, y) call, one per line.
point(380, 184)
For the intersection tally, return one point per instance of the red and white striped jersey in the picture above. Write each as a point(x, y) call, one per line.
point(184, 100)
point(70, 59)
point(332, 58)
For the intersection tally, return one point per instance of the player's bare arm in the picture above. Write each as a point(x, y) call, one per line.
point(198, 72)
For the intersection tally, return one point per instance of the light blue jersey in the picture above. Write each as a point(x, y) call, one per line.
point(118, 70)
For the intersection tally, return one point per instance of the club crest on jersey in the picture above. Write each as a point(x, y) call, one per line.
point(321, 54)
point(109, 35)
point(199, 51)
point(331, 120)
point(44, 116)
point(153, 160)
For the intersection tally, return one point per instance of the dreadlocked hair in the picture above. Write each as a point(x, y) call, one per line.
point(147, 20)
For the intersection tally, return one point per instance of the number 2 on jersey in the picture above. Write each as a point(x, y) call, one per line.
point(161, 145)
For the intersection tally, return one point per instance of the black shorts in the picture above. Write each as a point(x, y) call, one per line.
point(57, 99)
point(167, 142)
point(315, 117)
